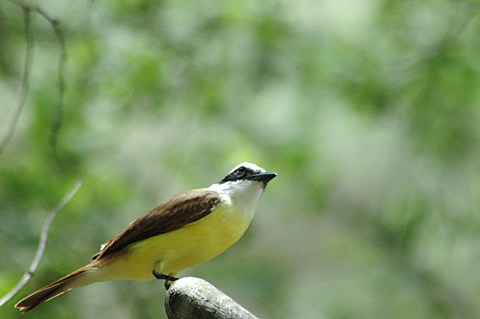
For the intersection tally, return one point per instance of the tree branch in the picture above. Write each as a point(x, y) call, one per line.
point(61, 83)
point(27, 8)
point(25, 81)
point(41, 245)
point(191, 297)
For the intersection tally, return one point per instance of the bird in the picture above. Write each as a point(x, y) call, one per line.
point(183, 231)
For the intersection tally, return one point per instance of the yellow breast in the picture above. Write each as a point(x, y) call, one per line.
point(183, 248)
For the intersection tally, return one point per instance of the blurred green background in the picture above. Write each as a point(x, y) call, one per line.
point(367, 110)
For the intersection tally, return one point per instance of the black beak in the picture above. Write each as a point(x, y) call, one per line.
point(263, 177)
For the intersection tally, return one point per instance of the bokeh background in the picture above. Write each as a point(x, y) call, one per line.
point(368, 110)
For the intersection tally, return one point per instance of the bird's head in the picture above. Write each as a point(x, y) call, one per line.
point(249, 172)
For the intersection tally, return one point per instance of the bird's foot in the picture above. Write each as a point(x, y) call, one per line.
point(168, 279)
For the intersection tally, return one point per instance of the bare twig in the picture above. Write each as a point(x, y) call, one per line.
point(89, 8)
point(41, 245)
point(25, 81)
point(448, 40)
point(61, 81)
point(27, 8)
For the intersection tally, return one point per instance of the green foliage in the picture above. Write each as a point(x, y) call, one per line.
point(368, 110)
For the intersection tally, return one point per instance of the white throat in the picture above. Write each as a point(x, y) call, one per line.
point(243, 195)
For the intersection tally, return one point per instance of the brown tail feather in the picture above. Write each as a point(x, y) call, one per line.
point(56, 288)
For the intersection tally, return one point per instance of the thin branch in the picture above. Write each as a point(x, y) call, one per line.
point(61, 81)
point(41, 245)
point(447, 41)
point(89, 7)
point(54, 22)
point(25, 80)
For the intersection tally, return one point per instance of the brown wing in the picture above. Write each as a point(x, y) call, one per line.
point(167, 216)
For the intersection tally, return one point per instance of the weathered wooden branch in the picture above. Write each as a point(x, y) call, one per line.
point(191, 297)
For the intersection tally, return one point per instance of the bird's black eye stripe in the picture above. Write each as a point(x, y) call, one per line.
point(239, 172)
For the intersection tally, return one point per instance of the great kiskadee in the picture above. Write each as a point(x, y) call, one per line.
point(179, 233)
